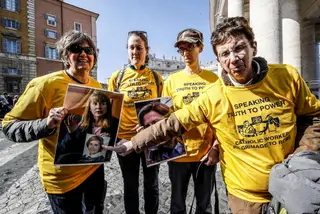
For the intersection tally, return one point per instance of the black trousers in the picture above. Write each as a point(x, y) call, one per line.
point(179, 174)
point(87, 198)
point(130, 166)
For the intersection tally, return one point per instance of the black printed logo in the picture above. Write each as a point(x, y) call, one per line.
point(139, 92)
point(259, 126)
point(189, 98)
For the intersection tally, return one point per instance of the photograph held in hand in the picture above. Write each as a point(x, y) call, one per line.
point(91, 123)
point(150, 112)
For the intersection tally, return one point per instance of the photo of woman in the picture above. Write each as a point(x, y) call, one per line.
point(93, 151)
point(80, 135)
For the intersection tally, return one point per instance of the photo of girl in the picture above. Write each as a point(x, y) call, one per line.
point(81, 136)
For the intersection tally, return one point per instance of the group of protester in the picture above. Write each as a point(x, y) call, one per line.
point(6, 103)
point(247, 119)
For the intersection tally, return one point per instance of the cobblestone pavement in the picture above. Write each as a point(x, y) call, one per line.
point(21, 190)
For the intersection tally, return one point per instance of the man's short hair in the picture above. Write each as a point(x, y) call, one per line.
point(232, 26)
point(161, 108)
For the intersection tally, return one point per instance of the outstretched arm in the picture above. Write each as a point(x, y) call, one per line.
point(178, 122)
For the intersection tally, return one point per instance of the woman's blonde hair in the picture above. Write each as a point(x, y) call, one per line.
point(87, 117)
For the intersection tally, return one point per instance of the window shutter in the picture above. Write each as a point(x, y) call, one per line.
point(18, 47)
point(46, 52)
point(18, 24)
point(3, 3)
point(46, 32)
point(46, 16)
point(4, 45)
point(18, 5)
point(4, 22)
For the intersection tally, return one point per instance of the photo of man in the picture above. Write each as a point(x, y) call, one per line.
point(150, 112)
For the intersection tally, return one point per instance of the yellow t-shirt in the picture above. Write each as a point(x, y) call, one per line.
point(255, 125)
point(184, 88)
point(41, 95)
point(135, 85)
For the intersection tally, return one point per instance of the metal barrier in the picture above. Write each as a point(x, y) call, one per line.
point(314, 86)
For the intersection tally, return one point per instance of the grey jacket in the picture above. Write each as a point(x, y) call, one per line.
point(26, 131)
point(295, 183)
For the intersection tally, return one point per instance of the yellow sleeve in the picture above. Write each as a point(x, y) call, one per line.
point(161, 82)
point(31, 106)
point(112, 81)
point(196, 113)
point(166, 92)
point(306, 103)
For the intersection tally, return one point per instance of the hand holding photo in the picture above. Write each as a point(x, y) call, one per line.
point(123, 147)
point(90, 123)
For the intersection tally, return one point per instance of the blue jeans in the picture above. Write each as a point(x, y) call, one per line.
point(130, 165)
point(87, 198)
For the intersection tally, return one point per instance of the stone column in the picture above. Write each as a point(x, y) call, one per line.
point(235, 8)
point(291, 42)
point(308, 48)
point(265, 21)
point(317, 30)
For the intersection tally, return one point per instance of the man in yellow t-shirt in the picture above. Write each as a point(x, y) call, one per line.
point(37, 115)
point(253, 109)
point(184, 86)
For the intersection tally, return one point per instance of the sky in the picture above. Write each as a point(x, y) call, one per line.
point(161, 19)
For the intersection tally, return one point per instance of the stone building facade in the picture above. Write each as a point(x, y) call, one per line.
point(17, 46)
point(287, 31)
point(29, 30)
point(53, 19)
point(165, 66)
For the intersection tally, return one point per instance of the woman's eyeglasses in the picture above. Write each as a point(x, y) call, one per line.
point(138, 32)
point(79, 49)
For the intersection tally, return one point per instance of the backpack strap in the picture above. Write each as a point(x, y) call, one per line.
point(156, 78)
point(118, 80)
point(120, 76)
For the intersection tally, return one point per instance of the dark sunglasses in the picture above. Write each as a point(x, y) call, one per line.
point(137, 32)
point(79, 49)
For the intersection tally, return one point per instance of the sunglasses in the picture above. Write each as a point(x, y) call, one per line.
point(79, 49)
point(138, 32)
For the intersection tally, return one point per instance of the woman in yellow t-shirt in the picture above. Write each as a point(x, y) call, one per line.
point(136, 82)
point(38, 114)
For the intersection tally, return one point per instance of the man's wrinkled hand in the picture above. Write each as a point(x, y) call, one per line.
point(137, 128)
point(212, 157)
point(123, 147)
